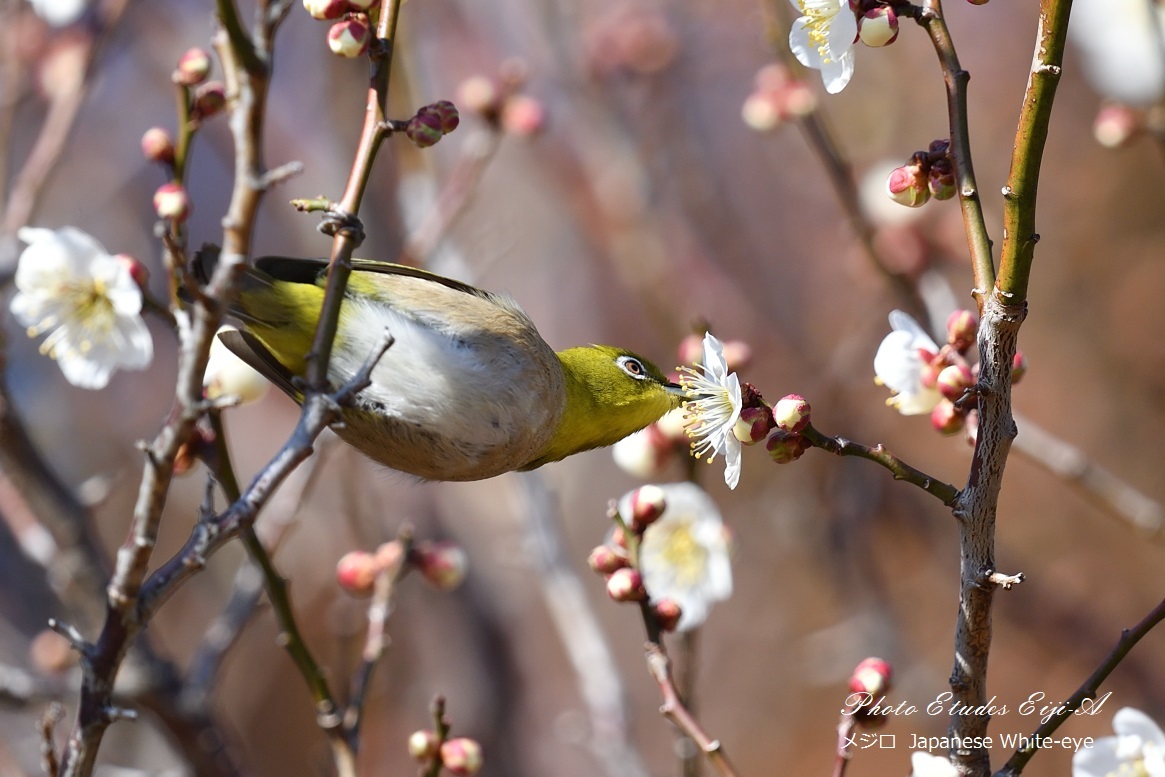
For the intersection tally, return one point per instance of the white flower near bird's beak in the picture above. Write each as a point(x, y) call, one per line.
point(714, 409)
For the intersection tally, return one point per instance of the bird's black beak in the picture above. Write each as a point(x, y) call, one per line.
point(677, 390)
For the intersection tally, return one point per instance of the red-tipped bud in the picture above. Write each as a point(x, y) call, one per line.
point(349, 38)
point(604, 559)
point(356, 572)
point(878, 27)
point(1018, 367)
point(962, 329)
point(325, 10)
point(619, 537)
point(954, 380)
point(785, 447)
point(872, 676)
point(523, 115)
point(928, 373)
point(791, 413)
point(478, 94)
point(158, 146)
point(940, 179)
point(668, 613)
point(626, 585)
point(461, 756)
point(945, 418)
point(907, 185)
point(646, 504)
point(753, 425)
point(1116, 124)
point(938, 147)
point(138, 271)
point(443, 564)
point(446, 112)
point(423, 745)
point(209, 100)
point(389, 554)
point(172, 202)
point(424, 129)
point(193, 68)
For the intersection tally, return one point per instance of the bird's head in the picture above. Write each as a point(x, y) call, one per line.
point(610, 393)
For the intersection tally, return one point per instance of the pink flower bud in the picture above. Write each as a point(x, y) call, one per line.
point(424, 129)
point(945, 418)
point(172, 202)
point(157, 146)
point(691, 349)
point(737, 355)
point(954, 380)
point(907, 185)
point(443, 564)
point(878, 27)
point(785, 447)
point(1018, 367)
point(388, 555)
point(478, 94)
point(625, 585)
point(138, 271)
point(647, 503)
point(928, 373)
point(762, 111)
point(619, 537)
point(523, 115)
point(872, 677)
point(193, 67)
point(423, 745)
point(349, 38)
point(791, 413)
point(668, 613)
point(461, 756)
point(753, 425)
point(800, 99)
point(962, 329)
point(941, 179)
point(1116, 124)
point(446, 112)
point(210, 99)
point(604, 559)
point(325, 10)
point(356, 572)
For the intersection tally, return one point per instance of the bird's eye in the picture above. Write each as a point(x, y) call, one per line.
point(632, 367)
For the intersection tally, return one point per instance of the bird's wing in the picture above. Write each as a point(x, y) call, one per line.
point(295, 270)
point(248, 348)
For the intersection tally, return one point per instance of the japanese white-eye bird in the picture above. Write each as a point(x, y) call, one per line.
point(468, 390)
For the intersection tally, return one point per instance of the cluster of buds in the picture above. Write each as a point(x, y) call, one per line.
point(351, 30)
point(443, 564)
point(461, 755)
point(431, 123)
point(500, 102)
point(929, 173)
point(780, 427)
point(777, 96)
point(868, 685)
point(615, 560)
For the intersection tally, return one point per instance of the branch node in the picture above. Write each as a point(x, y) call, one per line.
point(337, 220)
point(113, 713)
point(72, 636)
point(993, 577)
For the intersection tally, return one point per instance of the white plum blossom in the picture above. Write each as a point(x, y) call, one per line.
point(684, 554)
point(1137, 750)
point(713, 409)
point(899, 362)
point(1122, 46)
point(86, 300)
point(823, 37)
point(926, 765)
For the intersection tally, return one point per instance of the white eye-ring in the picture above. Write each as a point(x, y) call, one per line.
point(632, 367)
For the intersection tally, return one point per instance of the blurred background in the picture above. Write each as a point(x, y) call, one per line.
point(637, 204)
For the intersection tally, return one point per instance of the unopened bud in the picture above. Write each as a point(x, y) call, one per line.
point(907, 185)
point(1018, 367)
point(172, 202)
point(325, 10)
point(349, 38)
point(523, 115)
point(941, 179)
point(954, 380)
point(643, 506)
point(646, 453)
point(946, 418)
point(356, 572)
point(478, 94)
point(962, 329)
point(424, 129)
point(157, 146)
point(928, 373)
point(209, 100)
point(691, 350)
point(388, 555)
point(878, 27)
point(872, 677)
point(604, 559)
point(625, 585)
point(193, 67)
point(762, 111)
point(791, 413)
point(447, 113)
point(443, 564)
point(667, 613)
point(137, 270)
point(51, 653)
point(461, 756)
point(785, 447)
point(423, 745)
point(753, 425)
point(229, 376)
point(737, 355)
point(1116, 124)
